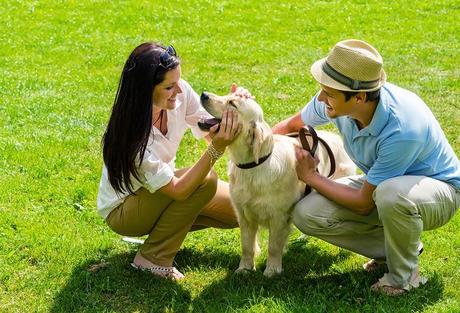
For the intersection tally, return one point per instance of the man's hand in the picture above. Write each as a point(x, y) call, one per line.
point(306, 164)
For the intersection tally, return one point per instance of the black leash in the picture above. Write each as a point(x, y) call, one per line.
point(310, 132)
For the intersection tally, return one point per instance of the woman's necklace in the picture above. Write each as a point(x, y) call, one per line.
point(163, 125)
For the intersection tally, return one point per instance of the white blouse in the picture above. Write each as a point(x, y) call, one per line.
point(158, 165)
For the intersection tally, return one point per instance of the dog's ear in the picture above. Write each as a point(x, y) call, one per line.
point(256, 136)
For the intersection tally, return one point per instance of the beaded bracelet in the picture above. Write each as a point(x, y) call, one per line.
point(213, 153)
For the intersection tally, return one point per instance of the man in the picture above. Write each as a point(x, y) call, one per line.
point(412, 180)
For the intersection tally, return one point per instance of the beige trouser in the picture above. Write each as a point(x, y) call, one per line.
point(406, 206)
point(167, 222)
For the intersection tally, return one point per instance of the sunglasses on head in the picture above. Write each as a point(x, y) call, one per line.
point(168, 58)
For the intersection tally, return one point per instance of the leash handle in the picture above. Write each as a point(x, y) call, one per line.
point(309, 131)
point(331, 156)
point(303, 133)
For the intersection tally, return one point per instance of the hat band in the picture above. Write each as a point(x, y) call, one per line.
point(347, 81)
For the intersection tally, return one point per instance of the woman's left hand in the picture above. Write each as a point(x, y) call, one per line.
point(240, 91)
point(229, 129)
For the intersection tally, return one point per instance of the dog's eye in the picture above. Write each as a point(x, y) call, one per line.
point(232, 103)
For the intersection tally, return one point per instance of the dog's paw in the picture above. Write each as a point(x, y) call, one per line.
point(272, 271)
point(244, 270)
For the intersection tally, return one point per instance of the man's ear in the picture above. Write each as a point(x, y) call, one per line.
point(256, 137)
point(361, 97)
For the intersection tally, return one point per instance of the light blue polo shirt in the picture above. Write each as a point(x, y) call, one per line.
point(403, 138)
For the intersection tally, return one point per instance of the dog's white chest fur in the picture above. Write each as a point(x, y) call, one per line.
point(269, 190)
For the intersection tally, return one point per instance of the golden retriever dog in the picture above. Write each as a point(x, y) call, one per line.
point(262, 175)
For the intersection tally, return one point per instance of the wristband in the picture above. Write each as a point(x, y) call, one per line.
point(213, 153)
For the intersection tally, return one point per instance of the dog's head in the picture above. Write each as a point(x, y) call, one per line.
point(254, 132)
point(248, 109)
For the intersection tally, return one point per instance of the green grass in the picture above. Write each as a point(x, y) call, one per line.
point(59, 67)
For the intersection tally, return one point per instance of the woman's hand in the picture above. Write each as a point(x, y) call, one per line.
point(241, 92)
point(229, 129)
point(306, 164)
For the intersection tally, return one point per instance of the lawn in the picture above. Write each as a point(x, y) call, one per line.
point(60, 63)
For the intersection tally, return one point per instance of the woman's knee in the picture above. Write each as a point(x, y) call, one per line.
point(210, 182)
point(205, 191)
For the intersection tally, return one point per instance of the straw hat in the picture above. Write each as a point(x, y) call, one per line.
point(352, 65)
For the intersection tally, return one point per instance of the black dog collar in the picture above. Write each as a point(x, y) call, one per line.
point(246, 166)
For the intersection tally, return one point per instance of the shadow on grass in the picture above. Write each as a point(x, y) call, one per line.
point(112, 284)
point(116, 286)
point(309, 283)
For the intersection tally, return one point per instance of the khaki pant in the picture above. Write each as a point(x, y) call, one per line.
point(167, 222)
point(406, 206)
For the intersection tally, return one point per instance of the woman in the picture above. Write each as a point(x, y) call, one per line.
point(140, 192)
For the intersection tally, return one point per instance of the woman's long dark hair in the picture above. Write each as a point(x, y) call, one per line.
point(130, 124)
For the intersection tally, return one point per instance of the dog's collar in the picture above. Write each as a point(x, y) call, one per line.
point(246, 166)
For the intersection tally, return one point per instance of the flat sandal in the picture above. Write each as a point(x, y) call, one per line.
point(162, 271)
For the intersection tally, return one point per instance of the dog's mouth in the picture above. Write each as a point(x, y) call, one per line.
point(206, 124)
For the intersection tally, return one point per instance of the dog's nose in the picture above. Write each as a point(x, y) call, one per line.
point(204, 96)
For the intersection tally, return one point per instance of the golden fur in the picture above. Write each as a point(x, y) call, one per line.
point(266, 194)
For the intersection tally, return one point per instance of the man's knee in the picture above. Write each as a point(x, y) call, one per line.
point(387, 195)
point(300, 219)
point(305, 214)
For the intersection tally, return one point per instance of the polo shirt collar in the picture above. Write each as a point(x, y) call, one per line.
point(380, 118)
